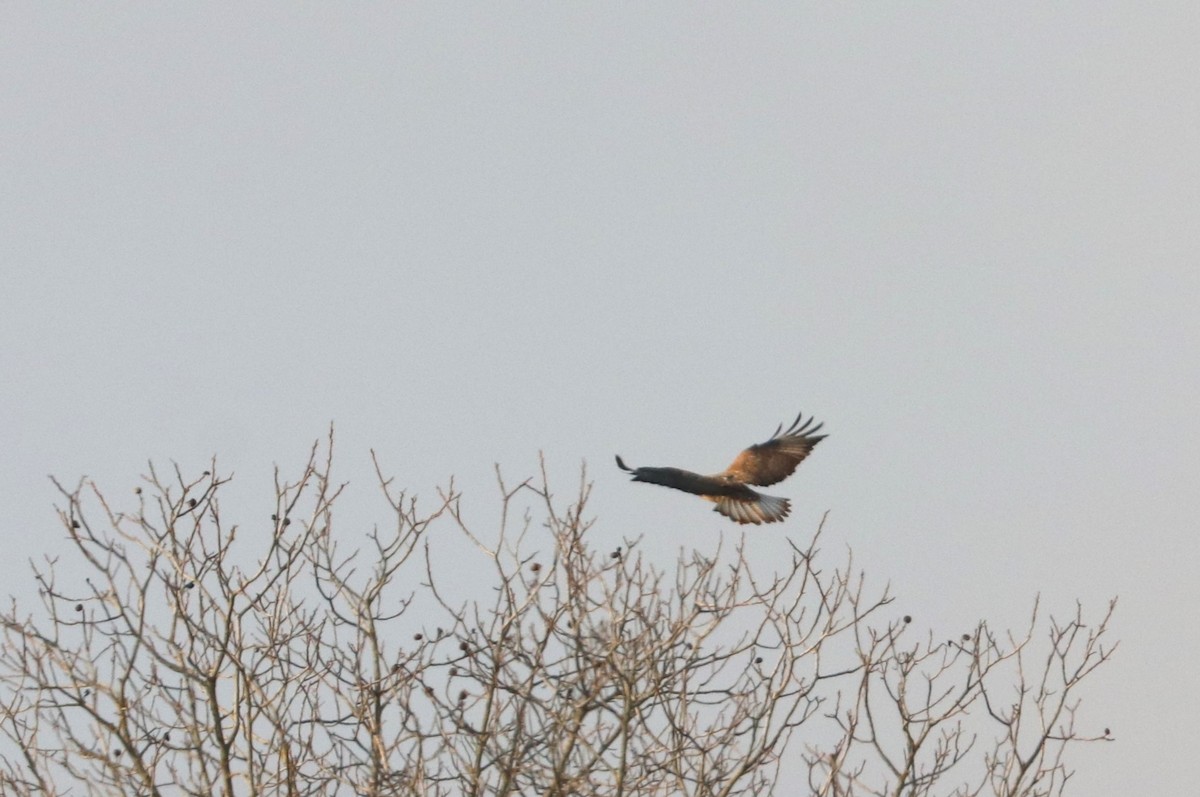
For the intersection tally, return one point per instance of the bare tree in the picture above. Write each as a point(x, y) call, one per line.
point(189, 660)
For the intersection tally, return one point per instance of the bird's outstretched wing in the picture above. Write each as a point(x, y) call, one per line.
point(685, 480)
point(734, 500)
point(767, 463)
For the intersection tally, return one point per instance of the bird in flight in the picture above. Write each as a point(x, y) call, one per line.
point(762, 464)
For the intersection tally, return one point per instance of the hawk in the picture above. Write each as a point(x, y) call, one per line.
point(762, 464)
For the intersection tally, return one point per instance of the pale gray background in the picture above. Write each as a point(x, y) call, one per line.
point(964, 237)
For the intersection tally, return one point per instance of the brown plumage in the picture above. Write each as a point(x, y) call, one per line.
point(762, 465)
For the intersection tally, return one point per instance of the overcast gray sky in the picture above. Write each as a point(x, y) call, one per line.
point(963, 235)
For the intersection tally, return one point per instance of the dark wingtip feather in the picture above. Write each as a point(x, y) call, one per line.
point(795, 429)
point(621, 464)
point(796, 422)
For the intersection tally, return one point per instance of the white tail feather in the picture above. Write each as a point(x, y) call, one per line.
point(766, 509)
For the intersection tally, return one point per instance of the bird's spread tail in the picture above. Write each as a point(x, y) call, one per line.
point(765, 509)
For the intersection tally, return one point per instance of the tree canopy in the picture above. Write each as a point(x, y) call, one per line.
point(200, 656)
